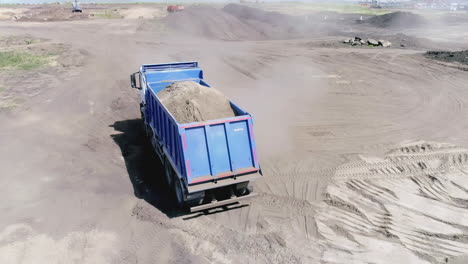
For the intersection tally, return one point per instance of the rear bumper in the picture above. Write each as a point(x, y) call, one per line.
point(223, 182)
point(204, 207)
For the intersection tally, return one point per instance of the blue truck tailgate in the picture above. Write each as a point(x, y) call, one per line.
point(219, 148)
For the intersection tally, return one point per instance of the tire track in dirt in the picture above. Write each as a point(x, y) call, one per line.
point(421, 214)
point(386, 110)
point(298, 179)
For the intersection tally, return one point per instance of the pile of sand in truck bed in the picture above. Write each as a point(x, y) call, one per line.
point(397, 20)
point(191, 102)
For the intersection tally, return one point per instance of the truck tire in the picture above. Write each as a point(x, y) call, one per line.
point(148, 131)
point(195, 199)
point(194, 202)
point(146, 127)
point(169, 173)
point(243, 189)
point(179, 194)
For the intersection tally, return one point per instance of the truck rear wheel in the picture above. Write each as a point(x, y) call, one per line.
point(169, 172)
point(243, 189)
point(195, 199)
point(179, 193)
point(148, 131)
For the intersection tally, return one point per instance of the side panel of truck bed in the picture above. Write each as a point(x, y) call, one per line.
point(166, 131)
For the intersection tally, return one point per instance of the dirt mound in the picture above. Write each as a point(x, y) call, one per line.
point(210, 22)
point(250, 13)
point(191, 102)
point(397, 20)
point(51, 13)
point(272, 25)
point(447, 56)
point(239, 22)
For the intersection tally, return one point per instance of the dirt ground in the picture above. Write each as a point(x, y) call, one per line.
point(62, 12)
point(364, 151)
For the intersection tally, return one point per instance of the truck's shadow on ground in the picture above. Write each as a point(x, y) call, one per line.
point(146, 171)
point(144, 168)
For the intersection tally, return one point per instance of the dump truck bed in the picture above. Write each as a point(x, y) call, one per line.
point(206, 154)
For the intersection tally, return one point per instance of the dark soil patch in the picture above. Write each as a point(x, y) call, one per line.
point(397, 20)
point(448, 56)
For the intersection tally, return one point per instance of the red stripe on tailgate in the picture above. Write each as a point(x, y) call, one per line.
point(187, 165)
point(184, 141)
point(253, 139)
point(245, 171)
point(225, 175)
point(255, 156)
point(201, 179)
point(251, 132)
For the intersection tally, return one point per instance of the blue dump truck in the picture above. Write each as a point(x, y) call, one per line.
point(207, 164)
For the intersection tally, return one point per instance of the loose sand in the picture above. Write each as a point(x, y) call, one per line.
point(191, 102)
